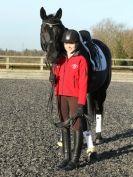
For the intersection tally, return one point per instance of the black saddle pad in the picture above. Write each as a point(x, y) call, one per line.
point(98, 61)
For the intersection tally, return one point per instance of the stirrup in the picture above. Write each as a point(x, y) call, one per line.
point(59, 143)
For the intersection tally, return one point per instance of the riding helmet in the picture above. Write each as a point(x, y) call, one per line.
point(70, 36)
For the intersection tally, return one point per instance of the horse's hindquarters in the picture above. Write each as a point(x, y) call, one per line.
point(97, 79)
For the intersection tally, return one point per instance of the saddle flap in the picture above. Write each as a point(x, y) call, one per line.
point(98, 61)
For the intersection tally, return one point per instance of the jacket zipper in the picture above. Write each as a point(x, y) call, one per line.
point(64, 75)
point(74, 81)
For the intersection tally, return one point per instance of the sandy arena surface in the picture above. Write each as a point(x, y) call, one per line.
point(28, 139)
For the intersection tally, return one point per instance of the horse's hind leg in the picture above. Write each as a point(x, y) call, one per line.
point(99, 120)
point(100, 99)
point(99, 116)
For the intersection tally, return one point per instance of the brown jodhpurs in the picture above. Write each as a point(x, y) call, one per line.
point(67, 107)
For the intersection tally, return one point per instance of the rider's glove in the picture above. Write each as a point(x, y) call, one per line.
point(80, 111)
point(52, 78)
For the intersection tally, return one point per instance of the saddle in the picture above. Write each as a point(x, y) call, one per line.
point(96, 56)
point(97, 61)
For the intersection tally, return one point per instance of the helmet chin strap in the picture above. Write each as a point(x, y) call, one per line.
point(71, 52)
point(74, 51)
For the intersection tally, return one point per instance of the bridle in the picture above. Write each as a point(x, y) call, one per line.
point(51, 24)
point(50, 66)
point(45, 43)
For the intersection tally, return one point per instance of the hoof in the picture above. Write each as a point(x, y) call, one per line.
point(99, 141)
point(91, 154)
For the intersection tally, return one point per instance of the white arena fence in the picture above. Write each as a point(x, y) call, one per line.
point(37, 62)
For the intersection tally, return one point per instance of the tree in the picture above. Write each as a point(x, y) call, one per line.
point(111, 34)
point(128, 42)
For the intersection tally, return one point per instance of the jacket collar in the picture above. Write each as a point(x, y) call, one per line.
point(76, 53)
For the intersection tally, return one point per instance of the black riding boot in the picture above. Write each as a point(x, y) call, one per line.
point(78, 141)
point(66, 148)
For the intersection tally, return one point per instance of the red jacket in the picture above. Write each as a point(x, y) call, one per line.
point(72, 77)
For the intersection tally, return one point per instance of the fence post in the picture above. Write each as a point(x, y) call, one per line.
point(41, 66)
point(7, 63)
point(113, 62)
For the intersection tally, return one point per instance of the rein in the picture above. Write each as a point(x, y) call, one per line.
point(50, 100)
point(69, 122)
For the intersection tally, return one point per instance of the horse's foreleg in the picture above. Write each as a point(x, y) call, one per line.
point(91, 150)
point(87, 133)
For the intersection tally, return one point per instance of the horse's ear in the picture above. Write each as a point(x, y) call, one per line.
point(43, 13)
point(59, 13)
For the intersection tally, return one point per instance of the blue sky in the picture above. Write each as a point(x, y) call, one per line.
point(20, 20)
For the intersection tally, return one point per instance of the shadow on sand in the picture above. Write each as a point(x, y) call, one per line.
point(113, 153)
point(127, 134)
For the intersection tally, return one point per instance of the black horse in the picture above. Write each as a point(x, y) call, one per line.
point(52, 30)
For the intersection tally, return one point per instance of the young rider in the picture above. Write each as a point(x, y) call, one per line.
point(71, 75)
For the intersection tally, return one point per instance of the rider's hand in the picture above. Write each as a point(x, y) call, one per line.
point(52, 78)
point(80, 110)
